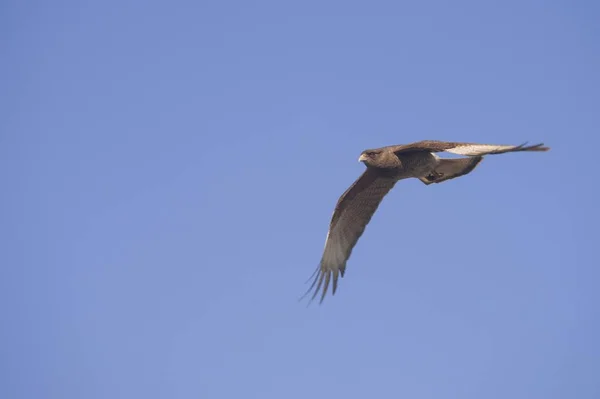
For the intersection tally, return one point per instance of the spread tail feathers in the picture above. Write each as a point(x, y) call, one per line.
point(450, 168)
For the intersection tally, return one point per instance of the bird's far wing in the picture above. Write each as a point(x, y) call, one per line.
point(352, 213)
point(487, 149)
point(425, 145)
point(470, 149)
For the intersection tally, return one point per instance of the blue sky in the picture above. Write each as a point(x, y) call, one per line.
point(169, 170)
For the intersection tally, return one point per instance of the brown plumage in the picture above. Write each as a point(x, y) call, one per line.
point(385, 166)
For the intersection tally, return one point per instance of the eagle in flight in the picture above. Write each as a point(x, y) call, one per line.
point(385, 166)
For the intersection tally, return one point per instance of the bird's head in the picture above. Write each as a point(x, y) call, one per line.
point(370, 157)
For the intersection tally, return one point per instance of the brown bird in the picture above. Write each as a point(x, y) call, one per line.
point(385, 166)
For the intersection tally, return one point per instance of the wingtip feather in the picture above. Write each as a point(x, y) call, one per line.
point(533, 147)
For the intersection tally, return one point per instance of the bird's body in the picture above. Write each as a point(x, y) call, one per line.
point(414, 164)
point(385, 167)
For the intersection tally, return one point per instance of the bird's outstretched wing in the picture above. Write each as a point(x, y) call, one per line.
point(470, 149)
point(352, 213)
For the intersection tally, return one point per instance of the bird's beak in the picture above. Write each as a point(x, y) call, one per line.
point(362, 158)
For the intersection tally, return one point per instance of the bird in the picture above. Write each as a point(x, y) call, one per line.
point(385, 166)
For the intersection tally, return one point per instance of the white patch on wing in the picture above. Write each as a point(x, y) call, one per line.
point(479, 149)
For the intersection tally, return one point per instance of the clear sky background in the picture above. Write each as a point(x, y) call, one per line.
point(169, 169)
